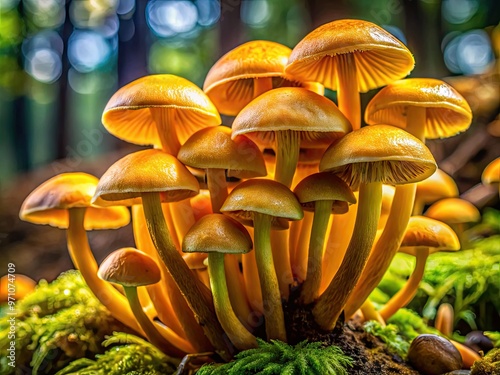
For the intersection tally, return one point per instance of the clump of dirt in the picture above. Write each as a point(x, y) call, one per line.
point(369, 353)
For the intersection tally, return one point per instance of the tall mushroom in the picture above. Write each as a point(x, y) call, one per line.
point(366, 159)
point(265, 204)
point(131, 269)
point(246, 72)
point(350, 56)
point(428, 109)
point(324, 194)
point(423, 237)
point(219, 235)
point(153, 176)
point(64, 201)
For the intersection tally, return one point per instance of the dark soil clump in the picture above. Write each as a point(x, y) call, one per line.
point(369, 353)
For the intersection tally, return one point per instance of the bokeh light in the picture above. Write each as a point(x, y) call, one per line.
point(168, 18)
point(459, 11)
point(88, 50)
point(469, 53)
point(255, 13)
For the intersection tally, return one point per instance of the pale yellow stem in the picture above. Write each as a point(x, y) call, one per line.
point(301, 253)
point(166, 127)
point(237, 291)
point(347, 89)
point(261, 85)
point(370, 313)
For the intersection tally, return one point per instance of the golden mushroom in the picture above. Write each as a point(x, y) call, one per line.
point(246, 72)
point(350, 56)
point(366, 159)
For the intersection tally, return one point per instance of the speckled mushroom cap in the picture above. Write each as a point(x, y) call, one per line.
point(230, 81)
point(453, 211)
point(129, 267)
point(378, 153)
point(266, 197)
point(128, 114)
point(145, 171)
point(439, 185)
point(317, 118)
point(491, 174)
point(426, 232)
point(49, 203)
point(217, 233)
point(327, 187)
point(380, 57)
point(213, 148)
point(447, 112)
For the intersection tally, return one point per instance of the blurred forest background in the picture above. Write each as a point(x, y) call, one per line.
point(61, 60)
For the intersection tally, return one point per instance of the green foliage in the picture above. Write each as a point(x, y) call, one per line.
point(489, 365)
point(389, 334)
point(131, 356)
point(494, 337)
point(410, 324)
point(277, 357)
point(55, 324)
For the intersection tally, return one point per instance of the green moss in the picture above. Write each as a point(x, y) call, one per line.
point(489, 365)
point(131, 356)
point(58, 322)
point(276, 357)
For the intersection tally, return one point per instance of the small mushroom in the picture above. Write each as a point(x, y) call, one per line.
point(131, 269)
point(434, 355)
point(219, 235)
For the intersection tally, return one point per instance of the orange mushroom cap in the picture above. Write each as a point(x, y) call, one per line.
point(17, 285)
point(491, 174)
point(145, 171)
point(439, 185)
point(266, 197)
point(430, 233)
point(380, 57)
point(447, 112)
point(318, 119)
point(379, 153)
point(49, 203)
point(128, 114)
point(453, 211)
point(129, 267)
point(230, 82)
point(213, 148)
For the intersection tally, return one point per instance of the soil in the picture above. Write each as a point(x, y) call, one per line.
point(369, 353)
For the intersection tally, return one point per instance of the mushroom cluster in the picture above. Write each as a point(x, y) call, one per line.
point(323, 202)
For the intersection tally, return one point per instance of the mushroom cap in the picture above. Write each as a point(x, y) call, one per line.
point(316, 118)
point(439, 185)
point(447, 112)
point(49, 203)
point(324, 186)
point(128, 113)
point(145, 171)
point(381, 153)
point(453, 211)
point(217, 233)
point(429, 233)
point(129, 267)
point(213, 148)
point(229, 83)
point(380, 57)
point(24, 285)
point(491, 174)
point(266, 197)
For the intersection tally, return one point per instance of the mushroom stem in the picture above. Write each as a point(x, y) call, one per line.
point(251, 280)
point(347, 89)
point(273, 310)
point(287, 155)
point(165, 125)
point(182, 217)
point(151, 333)
point(237, 333)
point(331, 303)
point(261, 85)
point(195, 293)
point(237, 291)
point(83, 259)
point(310, 288)
point(415, 121)
point(370, 313)
point(408, 291)
point(336, 246)
point(386, 247)
point(444, 319)
point(217, 185)
point(302, 248)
